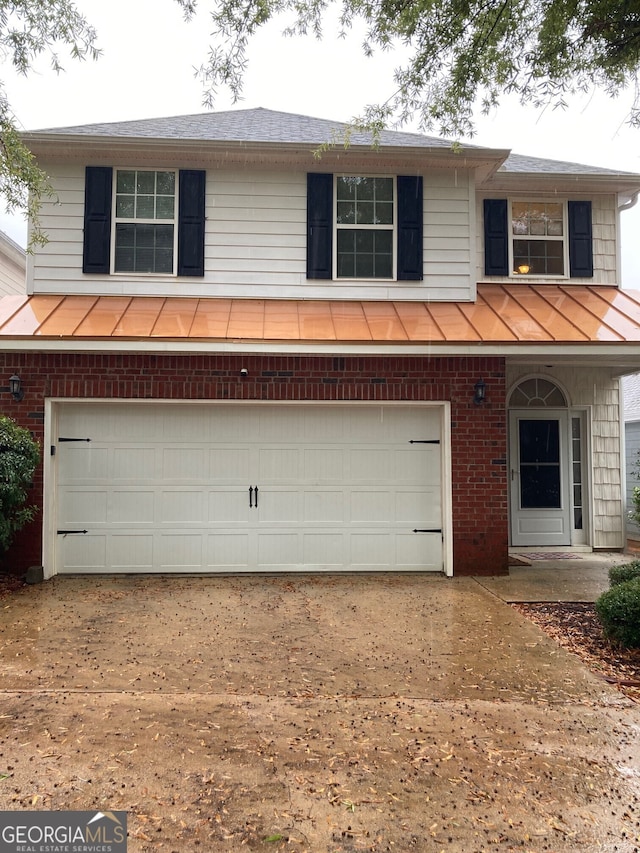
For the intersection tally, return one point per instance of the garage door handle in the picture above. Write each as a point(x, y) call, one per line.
point(253, 490)
point(250, 496)
point(256, 497)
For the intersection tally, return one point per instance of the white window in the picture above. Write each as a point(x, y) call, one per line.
point(538, 244)
point(365, 230)
point(145, 221)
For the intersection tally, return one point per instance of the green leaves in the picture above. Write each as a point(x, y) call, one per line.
point(19, 457)
point(461, 53)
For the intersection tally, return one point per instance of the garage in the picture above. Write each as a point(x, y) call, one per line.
point(244, 487)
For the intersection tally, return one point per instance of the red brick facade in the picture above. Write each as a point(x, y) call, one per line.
point(478, 432)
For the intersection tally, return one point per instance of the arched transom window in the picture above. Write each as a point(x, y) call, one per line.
point(537, 393)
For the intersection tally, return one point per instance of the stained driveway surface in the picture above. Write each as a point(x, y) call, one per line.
point(311, 713)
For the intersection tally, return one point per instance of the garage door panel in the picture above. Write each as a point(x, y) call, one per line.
point(324, 465)
point(84, 552)
point(180, 551)
point(230, 464)
point(185, 463)
point(228, 506)
point(372, 549)
point(166, 487)
point(278, 506)
point(183, 507)
point(131, 552)
point(369, 465)
point(324, 507)
point(279, 550)
point(132, 507)
point(412, 547)
point(278, 464)
point(323, 551)
point(132, 463)
point(80, 506)
point(418, 507)
point(83, 462)
point(227, 552)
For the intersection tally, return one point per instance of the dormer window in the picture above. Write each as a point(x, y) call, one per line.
point(145, 217)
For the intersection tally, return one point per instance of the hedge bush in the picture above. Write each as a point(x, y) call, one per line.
point(19, 457)
point(624, 573)
point(619, 612)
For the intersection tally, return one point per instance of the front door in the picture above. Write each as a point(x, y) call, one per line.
point(540, 505)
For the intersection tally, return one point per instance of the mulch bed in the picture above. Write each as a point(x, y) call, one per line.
point(575, 626)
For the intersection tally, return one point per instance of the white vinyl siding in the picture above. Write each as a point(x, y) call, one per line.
point(605, 248)
point(596, 392)
point(12, 267)
point(255, 243)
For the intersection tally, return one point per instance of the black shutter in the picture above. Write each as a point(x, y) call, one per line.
point(496, 237)
point(319, 225)
point(96, 249)
point(580, 239)
point(409, 228)
point(191, 222)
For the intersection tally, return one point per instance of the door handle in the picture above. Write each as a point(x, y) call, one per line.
point(253, 491)
point(250, 496)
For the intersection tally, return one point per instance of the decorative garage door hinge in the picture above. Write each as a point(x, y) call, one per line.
point(429, 530)
point(424, 441)
point(67, 532)
point(61, 438)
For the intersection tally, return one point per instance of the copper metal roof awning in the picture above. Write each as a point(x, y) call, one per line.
point(505, 319)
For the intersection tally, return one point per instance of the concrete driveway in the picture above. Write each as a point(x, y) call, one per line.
point(311, 713)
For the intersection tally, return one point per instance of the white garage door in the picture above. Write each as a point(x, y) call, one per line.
point(232, 487)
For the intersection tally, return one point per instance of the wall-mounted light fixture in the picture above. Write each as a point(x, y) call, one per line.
point(479, 392)
point(15, 388)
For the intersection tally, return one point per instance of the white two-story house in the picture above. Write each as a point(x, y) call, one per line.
point(242, 356)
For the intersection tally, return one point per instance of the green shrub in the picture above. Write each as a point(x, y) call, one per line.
point(19, 457)
point(619, 612)
point(624, 573)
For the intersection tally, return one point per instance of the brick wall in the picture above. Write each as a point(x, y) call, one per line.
point(478, 433)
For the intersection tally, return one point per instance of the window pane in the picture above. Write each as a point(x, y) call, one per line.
point(166, 183)
point(542, 257)
point(365, 213)
point(346, 213)
point(365, 254)
point(165, 207)
point(144, 207)
point(126, 182)
point(144, 248)
point(125, 206)
point(146, 182)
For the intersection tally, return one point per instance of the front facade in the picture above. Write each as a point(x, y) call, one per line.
point(240, 356)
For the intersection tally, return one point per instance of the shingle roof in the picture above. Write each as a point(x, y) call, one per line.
point(537, 165)
point(252, 126)
point(263, 126)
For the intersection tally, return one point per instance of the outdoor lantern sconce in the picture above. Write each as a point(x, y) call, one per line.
point(15, 388)
point(479, 391)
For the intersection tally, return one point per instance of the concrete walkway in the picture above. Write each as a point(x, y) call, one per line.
point(325, 714)
point(573, 577)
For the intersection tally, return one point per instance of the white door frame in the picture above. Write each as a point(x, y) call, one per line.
point(540, 526)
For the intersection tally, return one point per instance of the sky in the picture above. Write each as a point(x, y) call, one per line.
point(146, 70)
